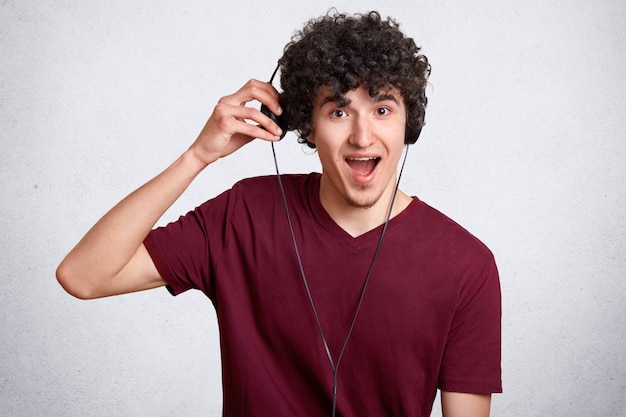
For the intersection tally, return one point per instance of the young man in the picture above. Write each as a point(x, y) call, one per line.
point(336, 293)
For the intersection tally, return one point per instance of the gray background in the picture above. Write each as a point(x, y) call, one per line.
point(525, 146)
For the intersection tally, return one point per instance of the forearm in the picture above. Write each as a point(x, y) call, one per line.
point(457, 404)
point(100, 256)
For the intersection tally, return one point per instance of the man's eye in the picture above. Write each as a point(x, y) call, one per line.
point(382, 111)
point(337, 114)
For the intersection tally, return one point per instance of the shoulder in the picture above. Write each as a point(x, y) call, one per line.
point(445, 237)
point(263, 194)
point(440, 225)
point(255, 190)
point(270, 181)
point(457, 258)
point(269, 187)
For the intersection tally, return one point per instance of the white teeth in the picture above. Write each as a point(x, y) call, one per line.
point(363, 159)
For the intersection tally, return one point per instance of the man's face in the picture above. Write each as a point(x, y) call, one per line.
point(359, 140)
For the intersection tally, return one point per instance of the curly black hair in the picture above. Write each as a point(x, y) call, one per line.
point(344, 52)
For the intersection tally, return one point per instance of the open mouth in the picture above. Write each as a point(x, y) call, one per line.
point(363, 166)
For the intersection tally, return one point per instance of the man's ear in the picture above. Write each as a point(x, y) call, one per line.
point(311, 136)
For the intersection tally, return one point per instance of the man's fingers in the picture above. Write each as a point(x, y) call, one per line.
point(229, 115)
point(255, 90)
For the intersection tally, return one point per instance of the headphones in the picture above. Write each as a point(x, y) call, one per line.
point(410, 136)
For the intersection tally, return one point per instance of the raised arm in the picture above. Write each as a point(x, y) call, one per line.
point(111, 259)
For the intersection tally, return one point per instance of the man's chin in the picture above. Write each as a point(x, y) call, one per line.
point(364, 203)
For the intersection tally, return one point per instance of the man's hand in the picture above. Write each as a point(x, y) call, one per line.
point(228, 129)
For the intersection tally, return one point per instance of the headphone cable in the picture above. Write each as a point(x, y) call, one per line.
point(335, 366)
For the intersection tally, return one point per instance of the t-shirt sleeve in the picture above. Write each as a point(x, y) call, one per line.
point(184, 250)
point(472, 356)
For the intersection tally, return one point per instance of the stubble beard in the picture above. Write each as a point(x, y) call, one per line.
point(352, 202)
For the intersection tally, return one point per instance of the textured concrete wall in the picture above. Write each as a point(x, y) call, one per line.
point(525, 146)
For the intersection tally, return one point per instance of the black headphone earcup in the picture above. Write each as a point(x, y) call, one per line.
point(411, 135)
point(281, 120)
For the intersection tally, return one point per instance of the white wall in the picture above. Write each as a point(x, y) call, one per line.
point(525, 146)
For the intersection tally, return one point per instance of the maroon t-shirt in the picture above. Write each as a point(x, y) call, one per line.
point(430, 316)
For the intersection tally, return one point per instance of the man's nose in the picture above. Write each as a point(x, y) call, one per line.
point(362, 132)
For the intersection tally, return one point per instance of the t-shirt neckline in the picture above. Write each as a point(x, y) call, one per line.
point(319, 213)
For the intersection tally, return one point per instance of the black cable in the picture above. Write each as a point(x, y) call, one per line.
point(335, 367)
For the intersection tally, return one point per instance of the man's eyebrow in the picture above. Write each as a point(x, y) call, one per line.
point(385, 97)
point(339, 100)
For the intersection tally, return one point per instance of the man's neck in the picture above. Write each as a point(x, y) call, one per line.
point(357, 221)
